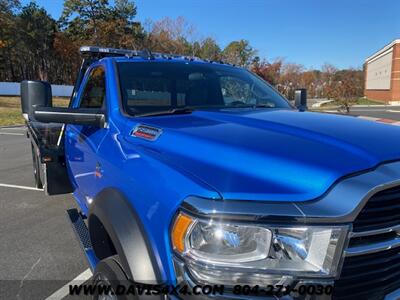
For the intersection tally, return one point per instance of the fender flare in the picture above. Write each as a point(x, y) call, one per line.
point(127, 234)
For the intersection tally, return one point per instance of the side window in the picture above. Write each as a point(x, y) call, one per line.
point(95, 90)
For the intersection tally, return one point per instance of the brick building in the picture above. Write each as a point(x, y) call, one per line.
point(382, 74)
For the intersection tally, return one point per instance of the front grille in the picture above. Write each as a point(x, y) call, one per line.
point(382, 211)
point(370, 276)
point(373, 274)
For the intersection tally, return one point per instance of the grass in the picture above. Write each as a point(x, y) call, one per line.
point(365, 101)
point(10, 109)
point(359, 101)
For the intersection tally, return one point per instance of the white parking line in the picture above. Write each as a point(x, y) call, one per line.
point(14, 128)
point(64, 291)
point(20, 187)
point(11, 133)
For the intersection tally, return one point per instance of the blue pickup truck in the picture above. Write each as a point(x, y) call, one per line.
point(195, 173)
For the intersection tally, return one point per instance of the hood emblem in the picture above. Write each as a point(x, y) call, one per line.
point(146, 132)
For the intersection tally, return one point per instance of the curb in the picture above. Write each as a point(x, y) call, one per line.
point(381, 120)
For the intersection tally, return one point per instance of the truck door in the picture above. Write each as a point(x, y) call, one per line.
point(82, 142)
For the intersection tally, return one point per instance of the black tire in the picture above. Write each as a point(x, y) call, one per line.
point(109, 272)
point(36, 169)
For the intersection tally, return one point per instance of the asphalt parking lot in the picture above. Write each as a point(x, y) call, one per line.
point(39, 255)
point(385, 112)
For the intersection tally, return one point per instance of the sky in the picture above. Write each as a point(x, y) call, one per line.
point(308, 32)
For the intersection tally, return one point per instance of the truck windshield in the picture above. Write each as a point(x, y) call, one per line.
point(154, 87)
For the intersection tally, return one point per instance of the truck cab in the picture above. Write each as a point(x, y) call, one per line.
point(192, 173)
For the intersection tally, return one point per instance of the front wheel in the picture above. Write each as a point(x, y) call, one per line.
point(110, 275)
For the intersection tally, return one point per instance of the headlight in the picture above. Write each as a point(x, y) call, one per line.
point(216, 252)
point(228, 244)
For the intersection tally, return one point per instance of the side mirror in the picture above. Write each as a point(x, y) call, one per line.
point(34, 93)
point(300, 99)
point(78, 116)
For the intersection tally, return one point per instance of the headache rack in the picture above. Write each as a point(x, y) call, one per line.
point(96, 52)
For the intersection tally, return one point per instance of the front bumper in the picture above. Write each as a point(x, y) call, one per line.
point(185, 279)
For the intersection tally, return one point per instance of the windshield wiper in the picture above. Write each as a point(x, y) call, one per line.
point(174, 111)
point(251, 106)
point(263, 105)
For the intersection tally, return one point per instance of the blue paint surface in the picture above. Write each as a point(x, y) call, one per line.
point(239, 154)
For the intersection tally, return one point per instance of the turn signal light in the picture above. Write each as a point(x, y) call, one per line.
point(179, 231)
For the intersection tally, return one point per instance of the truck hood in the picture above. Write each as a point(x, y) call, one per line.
point(277, 155)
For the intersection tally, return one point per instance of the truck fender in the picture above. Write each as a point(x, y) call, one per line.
point(127, 234)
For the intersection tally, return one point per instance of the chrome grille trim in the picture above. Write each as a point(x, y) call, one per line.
point(373, 248)
point(376, 232)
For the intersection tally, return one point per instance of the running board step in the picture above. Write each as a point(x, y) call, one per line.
point(82, 234)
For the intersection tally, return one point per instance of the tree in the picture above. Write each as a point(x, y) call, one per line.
point(118, 28)
point(8, 27)
point(168, 35)
point(66, 59)
point(270, 72)
point(124, 10)
point(37, 30)
point(97, 22)
point(210, 50)
point(81, 17)
point(348, 86)
point(328, 73)
point(309, 81)
point(290, 79)
point(239, 53)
